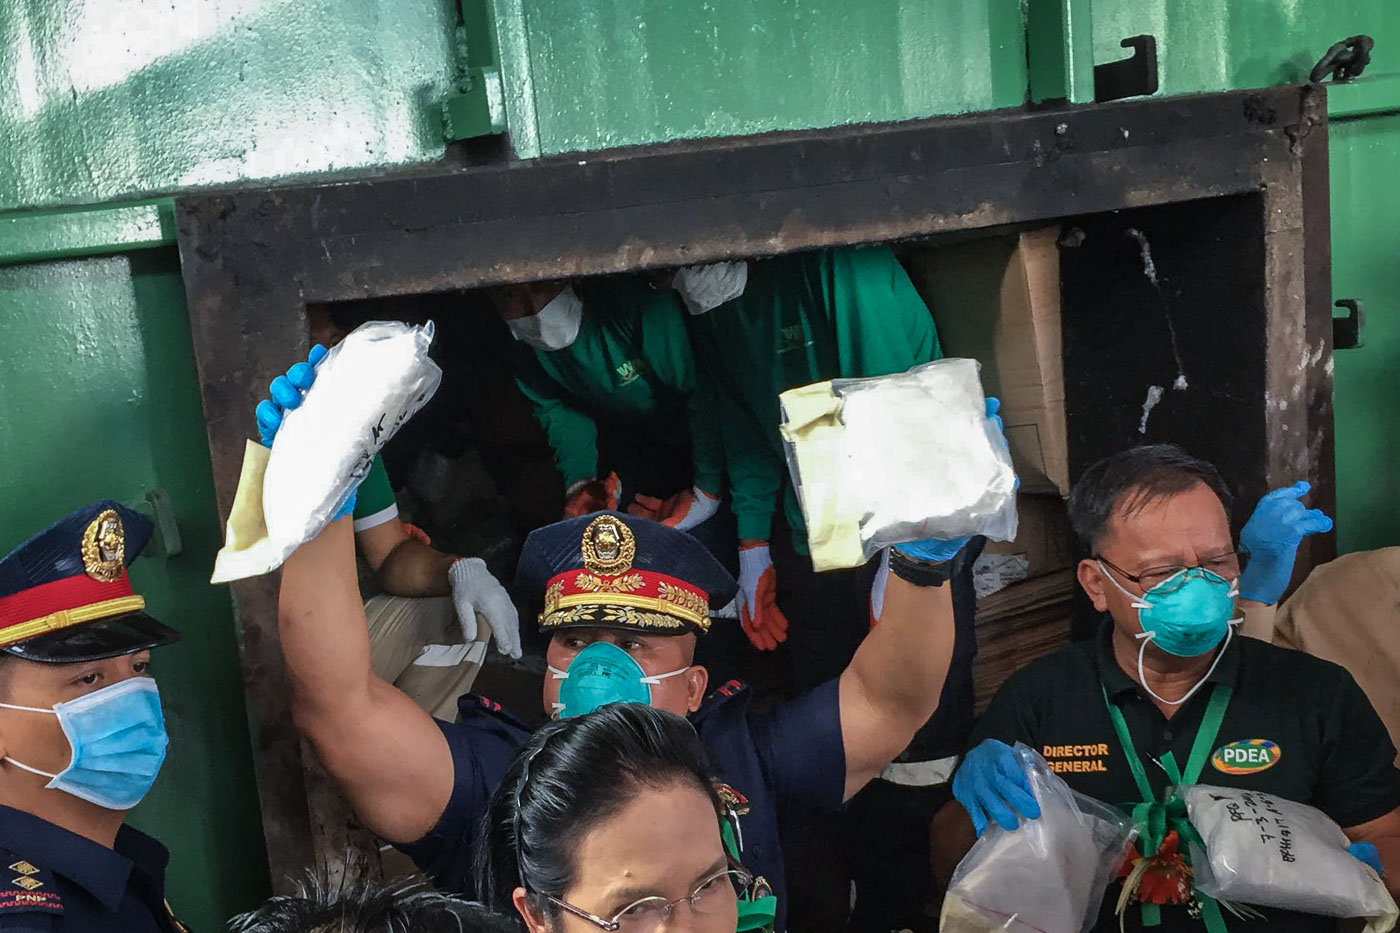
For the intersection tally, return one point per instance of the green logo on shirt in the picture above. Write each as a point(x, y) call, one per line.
point(628, 371)
point(1246, 756)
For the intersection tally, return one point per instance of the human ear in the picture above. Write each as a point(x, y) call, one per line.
point(1091, 578)
point(696, 680)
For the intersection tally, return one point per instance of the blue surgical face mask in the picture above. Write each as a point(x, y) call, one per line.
point(1186, 615)
point(600, 674)
point(118, 739)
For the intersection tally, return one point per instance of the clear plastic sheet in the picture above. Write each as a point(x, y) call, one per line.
point(1266, 851)
point(366, 387)
point(892, 459)
point(1047, 876)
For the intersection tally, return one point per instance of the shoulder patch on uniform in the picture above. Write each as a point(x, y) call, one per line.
point(472, 704)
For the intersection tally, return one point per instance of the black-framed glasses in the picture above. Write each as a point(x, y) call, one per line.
point(1226, 566)
point(713, 896)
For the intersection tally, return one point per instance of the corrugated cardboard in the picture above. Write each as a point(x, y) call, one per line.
point(1042, 535)
point(998, 300)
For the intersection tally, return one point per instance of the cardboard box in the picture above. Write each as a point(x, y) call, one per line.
point(997, 300)
point(1043, 535)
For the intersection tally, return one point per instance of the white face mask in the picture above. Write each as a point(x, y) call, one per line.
point(555, 326)
point(704, 288)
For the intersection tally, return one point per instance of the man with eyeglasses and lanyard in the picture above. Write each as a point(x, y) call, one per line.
point(1166, 691)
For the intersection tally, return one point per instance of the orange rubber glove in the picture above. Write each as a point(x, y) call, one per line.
point(593, 495)
point(683, 511)
point(762, 620)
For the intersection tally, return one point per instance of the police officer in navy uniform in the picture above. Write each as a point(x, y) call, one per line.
point(82, 735)
point(624, 600)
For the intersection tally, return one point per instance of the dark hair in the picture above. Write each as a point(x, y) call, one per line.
point(572, 775)
point(1133, 479)
point(402, 907)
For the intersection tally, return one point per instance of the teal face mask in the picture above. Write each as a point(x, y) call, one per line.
point(118, 738)
point(600, 674)
point(1186, 615)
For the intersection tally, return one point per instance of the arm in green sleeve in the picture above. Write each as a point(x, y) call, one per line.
point(707, 447)
point(755, 471)
point(571, 434)
point(880, 313)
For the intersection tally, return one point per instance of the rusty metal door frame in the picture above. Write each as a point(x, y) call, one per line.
point(253, 259)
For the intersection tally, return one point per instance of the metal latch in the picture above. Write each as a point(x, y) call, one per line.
point(1128, 77)
point(1348, 333)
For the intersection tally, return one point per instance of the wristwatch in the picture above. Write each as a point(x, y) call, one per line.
point(919, 572)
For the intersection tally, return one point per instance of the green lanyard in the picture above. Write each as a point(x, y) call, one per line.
point(756, 910)
point(1155, 818)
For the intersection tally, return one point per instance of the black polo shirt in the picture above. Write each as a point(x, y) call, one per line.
point(1329, 750)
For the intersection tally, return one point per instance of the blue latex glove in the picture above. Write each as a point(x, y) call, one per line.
point(1271, 537)
point(1366, 852)
point(287, 392)
point(990, 783)
point(935, 550)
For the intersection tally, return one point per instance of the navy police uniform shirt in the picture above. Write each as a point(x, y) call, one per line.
point(787, 762)
point(55, 881)
point(1296, 726)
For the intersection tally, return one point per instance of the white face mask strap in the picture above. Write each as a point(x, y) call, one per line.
point(655, 679)
point(556, 673)
point(1139, 602)
point(24, 767)
point(1142, 677)
point(28, 709)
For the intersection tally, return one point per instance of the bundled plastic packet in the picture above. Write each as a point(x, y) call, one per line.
point(1047, 876)
point(366, 387)
point(892, 459)
point(1270, 852)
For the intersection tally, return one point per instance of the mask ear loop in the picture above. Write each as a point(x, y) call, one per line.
point(1145, 637)
point(19, 764)
point(655, 679)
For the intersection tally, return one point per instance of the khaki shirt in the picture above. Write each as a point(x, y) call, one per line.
point(1348, 611)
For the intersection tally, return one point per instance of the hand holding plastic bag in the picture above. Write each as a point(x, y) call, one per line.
point(895, 459)
point(1296, 859)
point(1048, 876)
point(357, 397)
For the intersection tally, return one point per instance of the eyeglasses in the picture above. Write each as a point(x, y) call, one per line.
point(1226, 566)
point(715, 895)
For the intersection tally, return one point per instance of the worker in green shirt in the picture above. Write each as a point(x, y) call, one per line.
point(758, 329)
point(801, 318)
point(606, 363)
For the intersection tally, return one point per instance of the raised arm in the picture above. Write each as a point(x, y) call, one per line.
point(893, 683)
point(387, 755)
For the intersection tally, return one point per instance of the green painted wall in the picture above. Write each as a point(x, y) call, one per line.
point(98, 399)
point(107, 99)
point(1218, 45)
point(592, 74)
point(1365, 237)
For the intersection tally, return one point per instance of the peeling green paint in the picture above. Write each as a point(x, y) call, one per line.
point(121, 99)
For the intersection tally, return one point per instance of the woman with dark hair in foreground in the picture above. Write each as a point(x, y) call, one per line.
point(611, 821)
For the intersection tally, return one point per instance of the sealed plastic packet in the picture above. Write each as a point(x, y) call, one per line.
point(366, 387)
point(1266, 851)
point(891, 459)
point(1047, 876)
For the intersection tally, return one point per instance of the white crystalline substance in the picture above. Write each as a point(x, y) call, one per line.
point(1049, 875)
point(919, 449)
point(365, 388)
point(1295, 859)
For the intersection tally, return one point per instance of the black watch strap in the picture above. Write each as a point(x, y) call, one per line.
point(918, 572)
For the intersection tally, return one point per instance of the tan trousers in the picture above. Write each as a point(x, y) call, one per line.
point(416, 645)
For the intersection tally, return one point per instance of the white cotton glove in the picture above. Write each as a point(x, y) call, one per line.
point(704, 288)
point(475, 590)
